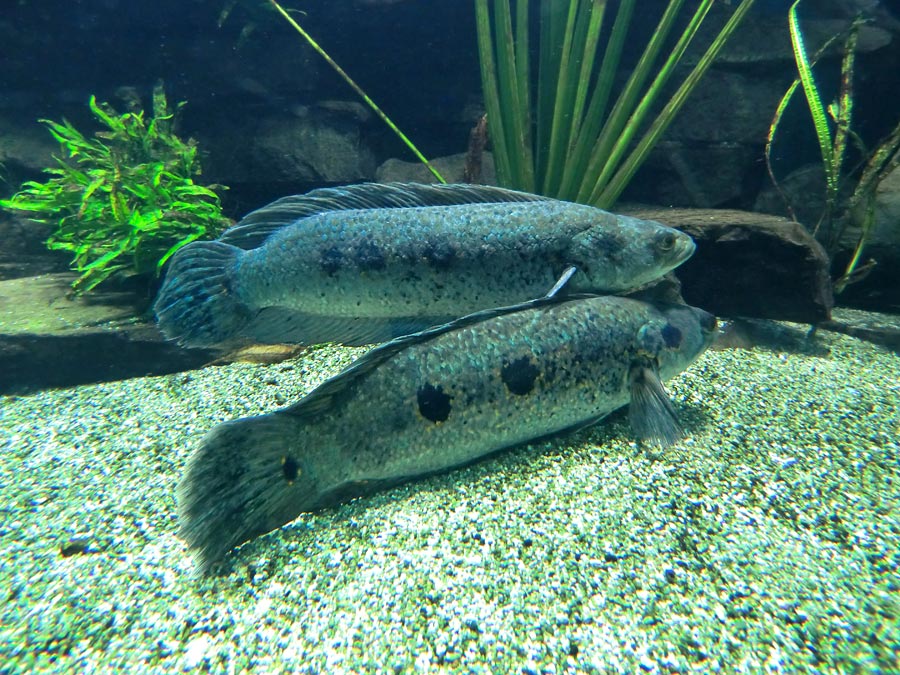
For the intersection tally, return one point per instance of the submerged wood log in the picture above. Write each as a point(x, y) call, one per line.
point(750, 264)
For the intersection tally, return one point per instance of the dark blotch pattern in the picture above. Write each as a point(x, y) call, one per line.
point(608, 244)
point(290, 469)
point(331, 260)
point(439, 254)
point(519, 375)
point(434, 403)
point(671, 335)
point(368, 256)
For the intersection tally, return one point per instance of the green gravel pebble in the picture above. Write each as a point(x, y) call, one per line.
point(768, 540)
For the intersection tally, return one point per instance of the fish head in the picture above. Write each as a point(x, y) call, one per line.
point(673, 339)
point(619, 253)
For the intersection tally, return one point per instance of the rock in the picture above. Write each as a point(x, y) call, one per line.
point(24, 252)
point(26, 148)
point(451, 167)
point(750, 265)
point(311, 146)
point(51, 339)
point(879, 290)
point(705, 175)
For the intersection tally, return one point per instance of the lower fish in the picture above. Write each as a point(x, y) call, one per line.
point(366, 263)
point(435, 400)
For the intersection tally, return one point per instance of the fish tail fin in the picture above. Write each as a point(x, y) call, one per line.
point(245, 479)
point(196, 305)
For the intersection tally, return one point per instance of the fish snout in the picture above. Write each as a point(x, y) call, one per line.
point(708, 322)
point(675, 246)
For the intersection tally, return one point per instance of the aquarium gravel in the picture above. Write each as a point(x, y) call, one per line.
point(768, 540)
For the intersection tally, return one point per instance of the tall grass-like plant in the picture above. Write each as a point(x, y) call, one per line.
point(123, 200)
point(562, 133)
point(832, 125)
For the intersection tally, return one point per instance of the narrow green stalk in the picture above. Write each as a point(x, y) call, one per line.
point(622, 141)
point(340, 71)
point(561, 122)
point(626, 172)
point(776, 122)
point(816, 109)
point(515, 111)
point(499, 135)
point(625, 104)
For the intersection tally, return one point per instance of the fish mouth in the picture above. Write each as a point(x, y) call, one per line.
point(708, 322)
point(683, 249)
point(709, 326)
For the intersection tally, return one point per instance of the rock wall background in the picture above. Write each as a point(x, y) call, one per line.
point(272, 118)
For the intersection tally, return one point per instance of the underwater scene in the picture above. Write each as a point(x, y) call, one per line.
point(473, 336)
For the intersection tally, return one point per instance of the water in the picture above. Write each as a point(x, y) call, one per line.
point(766, 540)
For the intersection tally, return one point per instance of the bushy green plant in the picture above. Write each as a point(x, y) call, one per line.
point(125, 200)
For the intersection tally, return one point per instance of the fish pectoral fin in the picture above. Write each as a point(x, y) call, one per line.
point(651, 412)
point(562, 281)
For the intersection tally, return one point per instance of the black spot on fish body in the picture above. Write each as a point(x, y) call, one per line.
point(671, 336)
point(290, 469)
point(519, 375)
point(330, 260)
point(433, 403)
point(439, 254)
point(369, 256)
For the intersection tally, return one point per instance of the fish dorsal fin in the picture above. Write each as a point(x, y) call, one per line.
point(258, 225)
point(326, 394)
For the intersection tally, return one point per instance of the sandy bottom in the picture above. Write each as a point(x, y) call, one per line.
point(768, 540)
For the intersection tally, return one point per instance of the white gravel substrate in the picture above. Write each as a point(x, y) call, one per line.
point(767, 541)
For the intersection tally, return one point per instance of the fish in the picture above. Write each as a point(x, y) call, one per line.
point(367, 263)
point(431, 401)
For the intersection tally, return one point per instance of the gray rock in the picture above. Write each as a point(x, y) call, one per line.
point(451, 167)
point(880, 289)
point(312, 145)
point(25, 147)
point(805, 188)
point(51, 339)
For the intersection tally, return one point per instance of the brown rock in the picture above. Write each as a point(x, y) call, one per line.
point(49, 338)
point(750, 264)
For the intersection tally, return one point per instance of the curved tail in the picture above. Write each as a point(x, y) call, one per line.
point(196, 305)
point(246, 478)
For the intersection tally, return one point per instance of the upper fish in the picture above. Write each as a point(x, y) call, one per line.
point(434, 400)
point(366, 263)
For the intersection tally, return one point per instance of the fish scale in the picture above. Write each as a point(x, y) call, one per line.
point(312, 269)
point(435, 400)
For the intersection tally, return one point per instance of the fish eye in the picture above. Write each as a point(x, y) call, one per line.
point(667, 241)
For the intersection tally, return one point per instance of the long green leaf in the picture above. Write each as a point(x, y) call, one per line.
point(362, 94)
point(610, 193)
point(816, 109)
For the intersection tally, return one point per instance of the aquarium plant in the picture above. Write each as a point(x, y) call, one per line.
point(832, 125)
point(124, 200)
point(229, 6)
point(562, 133)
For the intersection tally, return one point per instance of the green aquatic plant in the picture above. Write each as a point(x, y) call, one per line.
point(564, 135)
point(125, 199)
point(272, 4)
point(832, 125)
